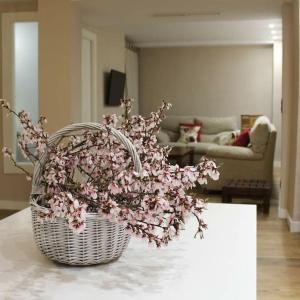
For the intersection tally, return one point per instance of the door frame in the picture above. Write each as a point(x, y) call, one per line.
point(92, 37)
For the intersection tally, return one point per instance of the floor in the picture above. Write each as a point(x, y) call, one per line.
point(278, 262)
point(5, 213)
point(278, 257)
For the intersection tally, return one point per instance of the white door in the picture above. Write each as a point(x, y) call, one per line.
point(88, 76)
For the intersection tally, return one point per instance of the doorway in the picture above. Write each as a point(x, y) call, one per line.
point(88, 76)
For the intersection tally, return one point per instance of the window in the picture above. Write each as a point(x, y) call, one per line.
point(20, 76)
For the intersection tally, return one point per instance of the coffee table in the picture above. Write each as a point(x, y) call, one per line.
point(182, 156)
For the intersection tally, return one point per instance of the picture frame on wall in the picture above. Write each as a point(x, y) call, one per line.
point(247, 121)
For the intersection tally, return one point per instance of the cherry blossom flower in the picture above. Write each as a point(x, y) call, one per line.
point(6, 152)
point(90, 190)
point(91, 171)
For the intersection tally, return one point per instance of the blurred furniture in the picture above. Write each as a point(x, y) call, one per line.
point(254, 162)
point(182, 156)
point(257, 189)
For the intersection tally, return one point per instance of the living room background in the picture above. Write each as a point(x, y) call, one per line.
point(112, 54)
point(211, 81)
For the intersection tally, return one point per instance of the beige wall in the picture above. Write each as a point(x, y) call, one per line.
point(111, 55)
point(292, 114)
point(296, 206)
point(290, 193)
point(213, 81)
point(59, 78)
point(59, 62)
point(208, 80)
point(288, 174)
point(290, 106)
point(277, 96)
point(13, 188)
point(59, 74)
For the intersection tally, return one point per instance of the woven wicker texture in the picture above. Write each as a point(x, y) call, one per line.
point(102, 241)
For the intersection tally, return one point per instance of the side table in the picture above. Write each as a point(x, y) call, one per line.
point(183, 156)
point(257, 189)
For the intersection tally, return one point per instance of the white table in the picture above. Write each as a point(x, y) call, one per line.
point(220, 267)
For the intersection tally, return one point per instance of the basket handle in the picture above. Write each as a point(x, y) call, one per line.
point(76, 127)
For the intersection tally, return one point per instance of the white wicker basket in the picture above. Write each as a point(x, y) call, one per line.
point(102, 241)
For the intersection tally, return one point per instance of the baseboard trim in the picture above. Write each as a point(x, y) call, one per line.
point(293, 225)
point(282, 213)
point(13, 205)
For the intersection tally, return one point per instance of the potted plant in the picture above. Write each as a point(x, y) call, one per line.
point(94, 185)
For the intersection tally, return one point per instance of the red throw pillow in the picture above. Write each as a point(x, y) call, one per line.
point(243, 139)
point(196, 128)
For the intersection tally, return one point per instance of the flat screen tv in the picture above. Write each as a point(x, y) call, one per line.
point(116, 84)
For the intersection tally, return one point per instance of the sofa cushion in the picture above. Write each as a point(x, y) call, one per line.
point(212, 125)
point(225, 138)
point(171, 125)
point(172, 122)
point(259, 134)
point(173, 135)
point(163, 137)
point(243, 139)
point(200, 148)
point(208, 138)
point(174, 144)
point(233, 152)
point(189, 133)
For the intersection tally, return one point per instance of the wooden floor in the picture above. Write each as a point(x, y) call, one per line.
point(278, 262)
point(278, 258)
point(5, 213)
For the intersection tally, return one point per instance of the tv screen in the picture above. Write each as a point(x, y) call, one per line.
point(116, 86)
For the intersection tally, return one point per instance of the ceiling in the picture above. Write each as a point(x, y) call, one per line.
point(188, 22)
point(205, 33)
point(120, 11)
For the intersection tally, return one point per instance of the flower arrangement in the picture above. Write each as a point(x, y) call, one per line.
point(92, 172)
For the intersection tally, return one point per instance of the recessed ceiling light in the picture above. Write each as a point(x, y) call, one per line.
point(276, 37)
point(274, 31)
point(271, 26)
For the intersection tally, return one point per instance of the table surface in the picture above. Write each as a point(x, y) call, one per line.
point(221, 266)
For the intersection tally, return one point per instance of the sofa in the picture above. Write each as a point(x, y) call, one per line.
point(252, 162)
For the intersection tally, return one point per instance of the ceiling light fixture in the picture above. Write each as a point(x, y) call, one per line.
point(276, 37)
point(271, 26)
point(181, 15)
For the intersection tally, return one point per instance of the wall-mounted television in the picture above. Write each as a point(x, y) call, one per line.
point(116, 85)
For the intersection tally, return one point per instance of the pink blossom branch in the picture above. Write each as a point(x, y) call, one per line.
point(153, 205)
point(9, 154)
